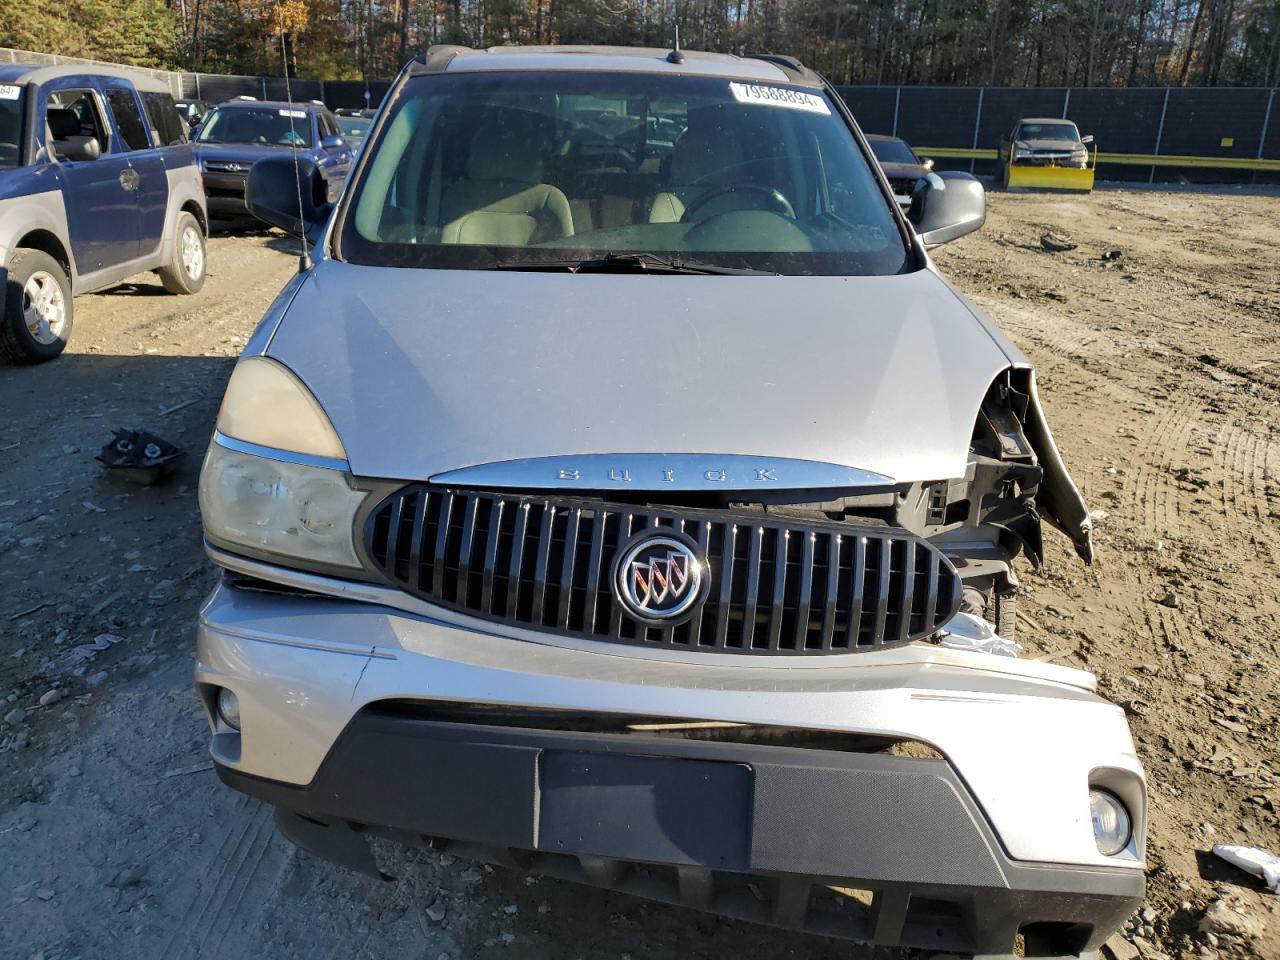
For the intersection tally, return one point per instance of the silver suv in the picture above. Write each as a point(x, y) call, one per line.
point(619, 492)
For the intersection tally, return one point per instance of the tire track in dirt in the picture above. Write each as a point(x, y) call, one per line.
point(1152, 496)
point(1245, 459)
point(248, 834)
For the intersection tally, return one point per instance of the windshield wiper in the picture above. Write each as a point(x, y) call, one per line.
point(631, 263)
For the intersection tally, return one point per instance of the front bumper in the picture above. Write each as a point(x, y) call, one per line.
point(225, 193)
point(911, 858)
point(336, 701)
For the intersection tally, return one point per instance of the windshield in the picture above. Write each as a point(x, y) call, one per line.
point(892, 151)
point(353, 128)
point(12, 98)
point(270, 125)
point(1049, 131)
point(495, 170)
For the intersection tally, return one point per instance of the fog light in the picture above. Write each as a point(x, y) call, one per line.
point(1111, 825)
point(229, 710)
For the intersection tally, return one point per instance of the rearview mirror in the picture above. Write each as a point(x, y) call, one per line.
point(947, 205)
point(1088, 139)
point(272, 195)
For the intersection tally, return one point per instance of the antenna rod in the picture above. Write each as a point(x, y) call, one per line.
point(304, 259)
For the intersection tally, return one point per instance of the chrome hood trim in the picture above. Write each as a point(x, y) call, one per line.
point(656, 471)
point(423, 372)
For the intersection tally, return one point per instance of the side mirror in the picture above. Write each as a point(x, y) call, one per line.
point(1088, 139)
point(272, 195)
point(947, 205)
point(78, 148)
point(926, 162)
point(333, 142)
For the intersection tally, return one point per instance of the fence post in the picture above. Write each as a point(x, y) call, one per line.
point(977, 121)
point(264, 88)
point(322, 99)
point(897, 99)
point(197, 76)
point(1066, 103)
point(1159, 134)
point(1262, 138)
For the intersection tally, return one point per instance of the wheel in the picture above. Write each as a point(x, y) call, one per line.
point(37, 313)
point(185, 271)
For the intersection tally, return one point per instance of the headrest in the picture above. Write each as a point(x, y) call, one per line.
point(505, 149)
point(63, 122)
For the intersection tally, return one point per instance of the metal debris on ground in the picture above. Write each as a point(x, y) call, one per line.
point(1057, 242)
point(139, 456)
point(1260, 863)
point(1112, 254)
point(87, 651)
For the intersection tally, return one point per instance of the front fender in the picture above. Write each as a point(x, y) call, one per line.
point(1059, 499)
point(33, 201)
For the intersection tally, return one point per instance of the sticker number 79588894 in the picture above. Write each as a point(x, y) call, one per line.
point(779, 97)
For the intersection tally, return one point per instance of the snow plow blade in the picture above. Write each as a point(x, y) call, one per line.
point(1051, 178)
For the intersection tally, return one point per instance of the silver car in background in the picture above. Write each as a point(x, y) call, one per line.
point(619, 493)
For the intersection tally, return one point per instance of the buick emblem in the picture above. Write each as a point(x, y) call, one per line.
point(659, 577)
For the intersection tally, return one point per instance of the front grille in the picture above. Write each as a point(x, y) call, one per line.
point(777, 586)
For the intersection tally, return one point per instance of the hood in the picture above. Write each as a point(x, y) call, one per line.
point(900, 171)
point(245, 153)
point(427, 371)
point(1051, 146)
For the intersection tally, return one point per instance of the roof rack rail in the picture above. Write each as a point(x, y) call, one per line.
point(438, 57)
point(790, 65)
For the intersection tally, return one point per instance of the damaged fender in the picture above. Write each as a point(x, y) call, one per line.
point(1059, 499)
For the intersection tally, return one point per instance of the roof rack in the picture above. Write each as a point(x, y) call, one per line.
point(790, 65)
point(438, 58)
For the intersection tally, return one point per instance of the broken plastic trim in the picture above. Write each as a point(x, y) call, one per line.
point(964, 631)
point(1059, 499)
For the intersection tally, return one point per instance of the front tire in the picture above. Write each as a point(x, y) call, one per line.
point(35, 324)
point(185, 271)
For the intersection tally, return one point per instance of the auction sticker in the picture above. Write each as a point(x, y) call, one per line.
point(9, 91)
point(779, 97)
point(300, 114)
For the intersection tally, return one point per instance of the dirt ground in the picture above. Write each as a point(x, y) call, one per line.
point(1161, 374)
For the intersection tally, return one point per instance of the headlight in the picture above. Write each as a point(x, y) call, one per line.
point(1112, 827)
point(1019, 153)
point(285, 510)
point(275, 480)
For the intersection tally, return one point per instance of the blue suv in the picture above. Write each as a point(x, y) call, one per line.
point(97, 182)
point(238, 133)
